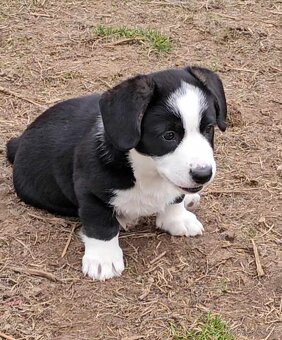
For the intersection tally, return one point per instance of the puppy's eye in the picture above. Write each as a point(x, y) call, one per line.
point(169, 135)
point(209, 129)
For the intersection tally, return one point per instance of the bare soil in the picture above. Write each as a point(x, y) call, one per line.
point(49, 53)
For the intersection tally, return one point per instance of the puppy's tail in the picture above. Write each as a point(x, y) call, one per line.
point(12, 147)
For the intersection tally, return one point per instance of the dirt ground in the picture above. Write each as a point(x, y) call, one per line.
point(49, 53)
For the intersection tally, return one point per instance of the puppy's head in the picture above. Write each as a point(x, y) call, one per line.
point(169, 116)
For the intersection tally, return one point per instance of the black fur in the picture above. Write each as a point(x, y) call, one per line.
point(136, 93)
point(63, 162)
point(12, 147)
point(178, 199)
point(214, 85)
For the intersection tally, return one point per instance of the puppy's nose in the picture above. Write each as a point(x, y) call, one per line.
point(201, 175)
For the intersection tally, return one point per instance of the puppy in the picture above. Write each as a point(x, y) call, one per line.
point(143, 147)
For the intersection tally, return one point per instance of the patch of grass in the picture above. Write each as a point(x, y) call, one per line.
point(211, 328)
point(224, 285)
point(157, 40)
point(249, 232)
point(215, 67)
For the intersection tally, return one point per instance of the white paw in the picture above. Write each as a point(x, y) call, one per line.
point(102, 259)
point(122, 222)
point(179, 222)
point(191, 201)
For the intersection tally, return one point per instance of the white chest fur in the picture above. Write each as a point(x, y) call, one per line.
point(150, 194)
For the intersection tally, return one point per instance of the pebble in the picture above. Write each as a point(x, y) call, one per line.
point(229, 236)
point(279, 170)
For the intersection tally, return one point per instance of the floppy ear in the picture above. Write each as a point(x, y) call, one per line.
point(122, 109)
point(214, 85)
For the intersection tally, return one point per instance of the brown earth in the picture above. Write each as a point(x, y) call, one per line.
point(48, 53)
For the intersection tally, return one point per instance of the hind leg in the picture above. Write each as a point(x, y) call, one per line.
point(42, 192)
point(12, 147)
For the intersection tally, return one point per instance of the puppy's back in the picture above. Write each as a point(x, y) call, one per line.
point(43, 155)
point(77, 114)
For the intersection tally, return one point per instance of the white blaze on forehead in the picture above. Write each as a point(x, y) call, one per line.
point(189, 102)
point(194, 150)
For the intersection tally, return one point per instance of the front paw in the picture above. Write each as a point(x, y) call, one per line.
point(183, 224)
point(100, 269)
point(191, 201)
point(102, 259)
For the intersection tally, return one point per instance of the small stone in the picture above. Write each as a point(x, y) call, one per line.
point(229, 236)
point(278, 283)
point(262, 220)
point(139, 278)
point(222, 228)
point(279, 170)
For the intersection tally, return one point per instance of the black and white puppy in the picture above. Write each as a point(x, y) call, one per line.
point(143, 147)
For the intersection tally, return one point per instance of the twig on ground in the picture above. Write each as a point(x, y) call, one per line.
point(124, 41)
point(47, 218)
point(17, 95)
point(104, 82)
point(230, 68)
point(227, 16)
point(41, 15)
point(268, 336)
point(36, 272)
point(231, 191)
point(276, 101)
point(268, 231)
point(158, 258)
point(138, 235)
point(274, 12)
point(68, 240)
point(260, 271)
point(25, 246)
point(5, 336)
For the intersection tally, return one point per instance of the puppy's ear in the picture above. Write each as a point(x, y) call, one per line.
point(122, 109)
point(214, 85)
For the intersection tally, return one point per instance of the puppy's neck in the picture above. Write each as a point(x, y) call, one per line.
point(142, 165)
point(106, 151)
